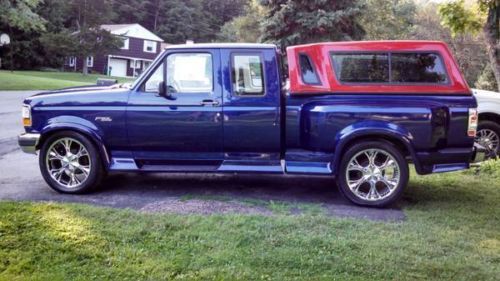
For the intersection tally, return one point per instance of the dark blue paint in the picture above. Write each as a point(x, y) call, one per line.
point(305, 134)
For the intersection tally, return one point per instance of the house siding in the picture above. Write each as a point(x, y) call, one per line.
point(135, 50)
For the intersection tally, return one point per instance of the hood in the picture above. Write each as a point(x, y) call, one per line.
point(486, 95)
point(83, 89)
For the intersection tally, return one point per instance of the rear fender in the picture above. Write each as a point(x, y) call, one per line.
point(372, 130)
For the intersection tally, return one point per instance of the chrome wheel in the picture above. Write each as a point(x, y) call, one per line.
point(68, 162)
point(490, 140)
point(373, 174)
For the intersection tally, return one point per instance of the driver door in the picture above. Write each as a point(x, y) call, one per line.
point(185, 128)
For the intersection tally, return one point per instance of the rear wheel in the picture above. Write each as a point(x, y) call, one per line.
point(373, 173)
point(70, 163)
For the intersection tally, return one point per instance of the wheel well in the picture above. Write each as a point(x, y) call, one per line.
point(46, 136)
point(490, 117)
point(388, 139)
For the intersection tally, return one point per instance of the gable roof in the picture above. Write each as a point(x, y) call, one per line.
point(131, 30)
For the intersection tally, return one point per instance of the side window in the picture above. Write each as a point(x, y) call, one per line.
point(153, 82)
point(247, 75)
point(307, 70)
point(362, 68)
point(190, 72)
point(417, 68)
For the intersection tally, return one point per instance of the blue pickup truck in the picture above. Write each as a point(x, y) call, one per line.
point(356, 111)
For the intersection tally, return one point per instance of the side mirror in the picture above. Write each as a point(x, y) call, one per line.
point(166, 91)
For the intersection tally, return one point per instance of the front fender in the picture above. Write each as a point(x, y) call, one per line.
point(372, 129)
point(80, 125)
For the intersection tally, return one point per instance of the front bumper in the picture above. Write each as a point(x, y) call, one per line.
point(28, 142)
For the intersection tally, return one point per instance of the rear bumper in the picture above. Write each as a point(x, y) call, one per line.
point(28, 142)
point(445, 160)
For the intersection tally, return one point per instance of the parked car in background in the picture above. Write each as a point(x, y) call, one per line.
point(488, 133)
point(356, 111)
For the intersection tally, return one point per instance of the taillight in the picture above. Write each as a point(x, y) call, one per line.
point(473, 120)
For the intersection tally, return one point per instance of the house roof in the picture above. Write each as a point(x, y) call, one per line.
point(131, 30)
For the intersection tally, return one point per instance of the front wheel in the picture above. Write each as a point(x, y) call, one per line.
point(70, 163)
point(373, 173)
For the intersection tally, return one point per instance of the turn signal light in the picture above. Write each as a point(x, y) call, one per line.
point(473, 121)
point(26, 114)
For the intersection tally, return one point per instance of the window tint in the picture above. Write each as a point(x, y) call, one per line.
point(153, 82)
point(361, 68)
point(190, 73)
point(247, 75)
point(417, 68)
point(307, 71)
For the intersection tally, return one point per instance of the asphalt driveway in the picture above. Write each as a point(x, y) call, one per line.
point(20, 179)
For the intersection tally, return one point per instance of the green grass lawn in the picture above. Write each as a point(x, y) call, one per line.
point(41, 80)
point(452, 232)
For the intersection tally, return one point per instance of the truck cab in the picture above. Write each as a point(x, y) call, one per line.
point(356, 111)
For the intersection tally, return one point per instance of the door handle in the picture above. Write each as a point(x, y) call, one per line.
point(209, 103)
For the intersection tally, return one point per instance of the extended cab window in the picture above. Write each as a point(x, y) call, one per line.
point(362, 67)
point(307, 70)
point(190, 72)
point(247, 75)
point(417, 68)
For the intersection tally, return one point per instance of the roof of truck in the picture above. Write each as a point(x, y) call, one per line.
point(376, 45)
point(222, 46)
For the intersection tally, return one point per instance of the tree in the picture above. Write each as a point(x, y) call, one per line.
point(486, 16)
point(388, 19)
point(88, 39)
point(244, 28)
point(20, 14)
point(292, 22)
point(468, 49)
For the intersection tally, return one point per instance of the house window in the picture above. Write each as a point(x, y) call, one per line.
point(125, 44)
point(72, 61)
point(149, 46)
point(137, 64)
point(90, 61)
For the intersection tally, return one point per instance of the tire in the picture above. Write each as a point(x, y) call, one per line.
point(388, 182)
point(492, 130)
point(73, 172)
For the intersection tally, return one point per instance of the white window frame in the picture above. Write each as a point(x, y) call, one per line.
point(152, 44)
point(126, 43)
point(71, 61)
point(137, 64)
point(90, 63)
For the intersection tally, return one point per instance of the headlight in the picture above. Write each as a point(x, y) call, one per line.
point(26, 114)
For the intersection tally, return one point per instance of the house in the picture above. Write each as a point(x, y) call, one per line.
point(140, 48)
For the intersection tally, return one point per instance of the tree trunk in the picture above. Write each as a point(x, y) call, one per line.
point(492, 34)
point(85, 69)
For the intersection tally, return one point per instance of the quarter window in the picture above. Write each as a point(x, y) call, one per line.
point(247, 75)
point(362, 68)
point(307, 70)
point(190, 72)
point(417, 68)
